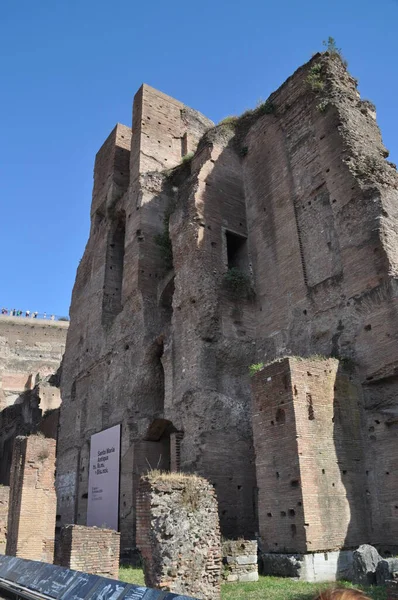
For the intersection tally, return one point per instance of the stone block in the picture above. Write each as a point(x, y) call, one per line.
point(251, 559)
point(178, 534)
point(365, 561)
point(253, 576)
point(311, 567)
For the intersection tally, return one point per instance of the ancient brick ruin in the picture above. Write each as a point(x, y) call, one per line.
point(311, 494)
point(213, 248)
point(32, 504)
point(30, 356)
point(90, 549)
point(178, 534)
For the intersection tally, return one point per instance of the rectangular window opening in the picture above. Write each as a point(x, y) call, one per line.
point(237, 255)
point(184, 144)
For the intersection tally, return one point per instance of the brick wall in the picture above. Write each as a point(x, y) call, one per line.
point(239, 560)
point(310, 467)
point(4, 497)
point(31, 518)
point(178, 534)
point(28, 347)
point(90, 549)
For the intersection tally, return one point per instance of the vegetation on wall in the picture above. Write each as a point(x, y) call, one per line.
point(332, 50)
point(238, 283)
point(253, 369)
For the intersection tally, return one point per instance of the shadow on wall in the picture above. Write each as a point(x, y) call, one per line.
point(213, 325)
point(348, 422)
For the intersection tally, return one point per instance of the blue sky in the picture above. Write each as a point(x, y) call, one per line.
point(69, 70)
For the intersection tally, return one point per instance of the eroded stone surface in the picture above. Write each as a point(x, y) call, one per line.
point(178, 534)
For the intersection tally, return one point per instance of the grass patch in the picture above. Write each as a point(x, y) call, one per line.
point(133, 575)
point(276, 588)
point(267, 588)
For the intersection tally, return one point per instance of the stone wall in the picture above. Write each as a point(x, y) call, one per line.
point(178, 534)
point(239, 560)
point(90, 549)
point(4, 498)
point(309, 457)
point(32, 512)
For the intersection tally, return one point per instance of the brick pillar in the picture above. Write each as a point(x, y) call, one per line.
point(309, 457)
point(32, 513)
point(178, 534)
point(4, 496)
point(90, 549)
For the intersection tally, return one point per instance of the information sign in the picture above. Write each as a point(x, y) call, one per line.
point(103, 480)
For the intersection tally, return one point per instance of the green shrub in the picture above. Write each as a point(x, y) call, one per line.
point(322, 106)
point(331, 48)
point(253, 369)
point(230, 121)
point(238, 283)
point(266, 108)
point(187, 157)
point(314, 78)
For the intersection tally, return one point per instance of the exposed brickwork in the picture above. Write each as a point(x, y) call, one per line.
point(4, 498)
point(32, 512)
point(178, 534)
point(239, 560)
point(300, 200)
point(90, 549)
point(28, 348)
point(309, 457)
point(30, 356)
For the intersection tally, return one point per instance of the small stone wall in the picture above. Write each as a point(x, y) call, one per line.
point(240, 560)
point(32, 512)
point(392, 589)
point(178, 534)
point(90, 549)
point(4, 496)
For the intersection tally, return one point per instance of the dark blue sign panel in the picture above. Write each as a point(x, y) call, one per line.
point(65, 584)
point(134, 592)
point(82, 584)
point(109, 589)
point(51, 580)
point(13, 568)
point(29, 571)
